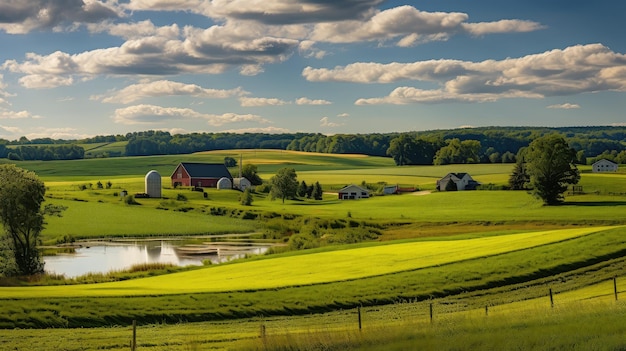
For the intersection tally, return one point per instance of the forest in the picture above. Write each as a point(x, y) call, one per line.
point(461, 145)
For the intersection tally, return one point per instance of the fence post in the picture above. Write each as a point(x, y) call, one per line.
point(431, 312)
point(359, 312)
point(551, 299)
point(486, 310)
point(615, 287)
point(262, 331)
point(133, 345)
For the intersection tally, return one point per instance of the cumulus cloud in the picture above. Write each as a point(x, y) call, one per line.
point(258, 102)
point(6, 114)
point(343, 115)
point(152, 114)
point(10, 129)
point(57, 133)
point(325, 122)
point(307, 101)
point(502, 26)
point(201, 51)
point(565, 106)
point(161, 88)
point(574, 70)
point(275, 12)
point(265, 130)
point(23, 16)
point(136, 30)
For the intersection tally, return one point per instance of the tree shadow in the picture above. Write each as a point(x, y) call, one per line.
point(595, 203)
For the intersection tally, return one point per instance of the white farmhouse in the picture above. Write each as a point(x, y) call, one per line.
point(352, 192)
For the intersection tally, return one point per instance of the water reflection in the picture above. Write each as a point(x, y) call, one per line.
point(103, 258)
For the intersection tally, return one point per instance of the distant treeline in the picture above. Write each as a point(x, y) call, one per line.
point(463, 145)
point(43, 152)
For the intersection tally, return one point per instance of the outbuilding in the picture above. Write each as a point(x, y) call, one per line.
point(604, 165)
point(352, 192)
point(458, 181)
point(153, 184)
point(201, 175)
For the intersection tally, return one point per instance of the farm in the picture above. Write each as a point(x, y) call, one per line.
point(479, 259)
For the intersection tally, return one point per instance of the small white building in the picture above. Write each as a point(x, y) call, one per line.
point(224, 183)
point(604, 165)
point(153, 184)
point(241, 183)
point(463, 181)
point(352, 192)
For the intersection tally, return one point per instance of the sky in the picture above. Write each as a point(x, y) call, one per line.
point(71, 69)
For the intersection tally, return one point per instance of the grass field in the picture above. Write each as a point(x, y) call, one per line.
point(501, 249)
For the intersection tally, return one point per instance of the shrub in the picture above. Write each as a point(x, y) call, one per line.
point(130, 200)
point(181, 197)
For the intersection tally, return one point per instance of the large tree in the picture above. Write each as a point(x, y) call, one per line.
point(21, 213)
point(550, 166)
point(284, 184)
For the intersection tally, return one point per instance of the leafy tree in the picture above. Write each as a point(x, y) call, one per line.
point(550, 165)
point(284, 184)
point(230, 162)
point(22, 215)
point(249, 171)
point(246, 197)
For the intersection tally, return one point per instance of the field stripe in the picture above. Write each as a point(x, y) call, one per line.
point(310, 269)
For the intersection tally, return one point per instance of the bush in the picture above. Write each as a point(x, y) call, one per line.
point(181, 197)
point(130, 200)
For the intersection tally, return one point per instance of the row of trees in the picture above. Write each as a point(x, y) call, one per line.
point(43, 153)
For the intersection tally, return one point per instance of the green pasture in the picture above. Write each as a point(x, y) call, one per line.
point(311, 269)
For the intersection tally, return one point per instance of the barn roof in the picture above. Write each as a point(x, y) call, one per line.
point(206, 170)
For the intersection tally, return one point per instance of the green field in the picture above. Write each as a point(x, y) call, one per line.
point(461, 251)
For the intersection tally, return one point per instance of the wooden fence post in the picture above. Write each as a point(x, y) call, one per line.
point(615, 287)
point(359, 312)
point(431, 312)
point(133, 345)
point(486, 310)
point(551, 299)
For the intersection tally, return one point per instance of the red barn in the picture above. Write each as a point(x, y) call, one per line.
point(203, 175)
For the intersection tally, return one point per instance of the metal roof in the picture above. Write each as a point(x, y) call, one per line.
point(206, 170)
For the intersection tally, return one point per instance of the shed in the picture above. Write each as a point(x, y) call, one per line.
point(463, 181)
point(241, 183)
point(224, 183)
point(352, 192)
point(202, 175)
point(153, 184)
point(604, 165)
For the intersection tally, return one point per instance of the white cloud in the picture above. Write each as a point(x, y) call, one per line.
point(152, 114)
point(57, 133)
point(574, 70)
point(343, 115)
point(17, 115)
point(226, 118)
point(307, 101)
point(161, 88)
point(502, 26)
point(565, 106)
point(266, 130)
point(12, 130)
point(325, 122)
point(258, 102)
point(136, 30)
point(23, 16)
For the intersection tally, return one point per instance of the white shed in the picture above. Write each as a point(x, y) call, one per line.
point(224, 183)
point(604, 165)
point(153, 184)
point(241, 183)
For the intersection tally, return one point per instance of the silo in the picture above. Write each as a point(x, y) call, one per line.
point(153, 184)
point(224, 183)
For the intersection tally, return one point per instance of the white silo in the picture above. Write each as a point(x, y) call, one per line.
point(153, 184)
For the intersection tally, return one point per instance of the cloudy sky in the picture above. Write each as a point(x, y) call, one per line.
point(79, 68)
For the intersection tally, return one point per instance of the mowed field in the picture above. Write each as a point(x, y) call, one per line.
point(490, 247)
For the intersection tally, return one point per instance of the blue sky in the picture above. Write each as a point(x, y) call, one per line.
point(79, 68)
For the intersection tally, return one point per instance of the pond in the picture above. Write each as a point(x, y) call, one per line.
point(104, 257)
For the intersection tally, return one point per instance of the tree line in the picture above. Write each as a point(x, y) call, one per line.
point(461, 145)
point(42, 152)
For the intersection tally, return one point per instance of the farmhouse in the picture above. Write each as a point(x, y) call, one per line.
point(203, 175)
point(352, 192)
point(463, 181)
point(604, 165)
